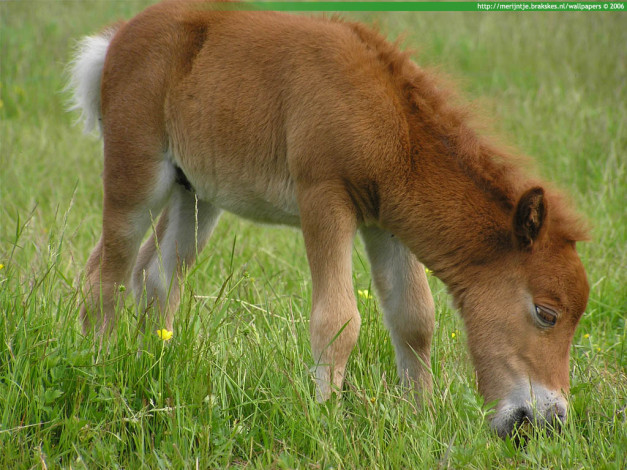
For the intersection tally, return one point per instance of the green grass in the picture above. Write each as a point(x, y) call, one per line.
point(233, 387)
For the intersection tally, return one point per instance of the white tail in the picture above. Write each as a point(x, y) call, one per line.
point(86, 76)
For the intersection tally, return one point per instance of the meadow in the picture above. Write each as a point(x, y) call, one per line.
point(233, 387)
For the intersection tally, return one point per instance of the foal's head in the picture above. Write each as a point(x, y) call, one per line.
point(521, 314)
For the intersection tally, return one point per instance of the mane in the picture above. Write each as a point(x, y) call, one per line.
point(495, 168)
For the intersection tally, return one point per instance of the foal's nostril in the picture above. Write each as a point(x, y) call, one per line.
point(556, 417)
point(521, 426)
point(559, 416)
point(522, 417)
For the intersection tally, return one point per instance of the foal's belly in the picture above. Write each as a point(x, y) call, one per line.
point(245, 189)
point(253, 205)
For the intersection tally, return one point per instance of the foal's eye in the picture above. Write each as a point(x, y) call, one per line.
point(546, 317)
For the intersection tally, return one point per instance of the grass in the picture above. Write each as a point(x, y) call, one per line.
point(233, 388)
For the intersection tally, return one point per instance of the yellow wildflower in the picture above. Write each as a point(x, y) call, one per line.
point(428, 271)
point(453, 335)
point(586, 336)
point(165, 334)
point(1, 266)
point(365, 293)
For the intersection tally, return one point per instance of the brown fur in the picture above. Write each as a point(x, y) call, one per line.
point(324, 124)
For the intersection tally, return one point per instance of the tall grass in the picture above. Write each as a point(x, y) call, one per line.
point(233, 387)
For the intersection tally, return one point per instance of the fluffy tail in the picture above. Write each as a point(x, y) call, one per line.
point(85, 71)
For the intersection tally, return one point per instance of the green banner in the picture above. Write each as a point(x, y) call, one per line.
point(423, 6)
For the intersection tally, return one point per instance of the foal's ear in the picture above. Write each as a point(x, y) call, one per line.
point(529, 217)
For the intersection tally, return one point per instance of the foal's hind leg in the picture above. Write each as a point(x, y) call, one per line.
point(182, 232)
point(408, 307)
point(137, 183)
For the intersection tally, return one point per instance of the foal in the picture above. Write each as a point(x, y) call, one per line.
point(322, 124)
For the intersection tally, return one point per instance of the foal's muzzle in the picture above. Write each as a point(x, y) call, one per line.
point(529, 408)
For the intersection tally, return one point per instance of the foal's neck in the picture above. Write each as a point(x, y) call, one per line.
point(454, 206)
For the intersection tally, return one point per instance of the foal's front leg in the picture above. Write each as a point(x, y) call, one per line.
point(329, 225)
point(408, 308)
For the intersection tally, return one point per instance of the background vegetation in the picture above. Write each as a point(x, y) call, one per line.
point(232, 388)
